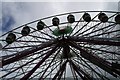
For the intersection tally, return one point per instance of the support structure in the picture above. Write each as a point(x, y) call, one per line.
point(87, 47)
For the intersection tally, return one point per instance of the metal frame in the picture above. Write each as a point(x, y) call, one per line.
point(36, 55)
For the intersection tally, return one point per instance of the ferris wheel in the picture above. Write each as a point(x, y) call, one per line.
point(79, 45)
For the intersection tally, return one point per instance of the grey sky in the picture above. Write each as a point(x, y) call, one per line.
point(24, 12)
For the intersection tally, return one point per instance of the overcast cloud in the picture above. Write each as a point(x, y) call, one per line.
point(15, 14)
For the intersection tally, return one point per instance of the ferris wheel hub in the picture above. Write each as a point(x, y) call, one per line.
point(62, 30)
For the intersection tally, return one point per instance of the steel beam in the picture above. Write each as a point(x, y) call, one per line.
point(60, 75)
point(86, 76)
point(22, 54)
point(49, 65)
point(116, 65)
point(105, 65)
point(39, 63)
point(96, 41)
point(75, 69)
point(62, 68)
point(24, 64)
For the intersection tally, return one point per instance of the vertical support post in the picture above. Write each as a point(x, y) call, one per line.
point(60, 70)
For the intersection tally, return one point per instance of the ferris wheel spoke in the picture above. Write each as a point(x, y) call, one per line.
point(111, 25)
point(93, 26)
point(95, 41)
point(31, 36)
point(60, 75)
point(20, 47)
point(62, 68)
point(76, 25)
point(105, 65)
point(53, 69)
point(80, 63)
point(50, 64)
point(46, 34)
point(11, 78)
point(114, 31)
point(85, 25)
point(31, 78)
point(89, 28)
point(49, 53)
point(101, 50)
point(30, 41)
point(23, 64)
point(39, 37)
point(24, 53)
point(90, 66)
point(77, 71)
point(88, 76)
point(117, 35)
point(73, 73)
point(8, 56)
point(87, 65)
